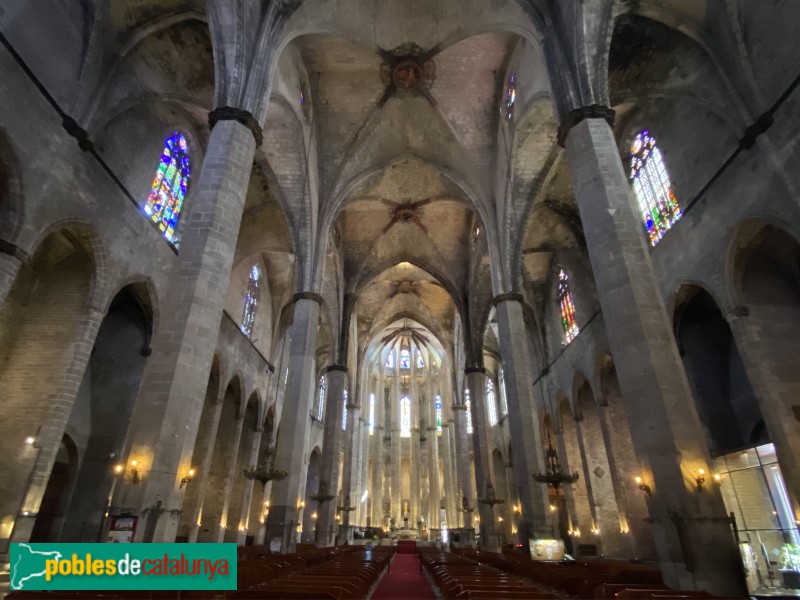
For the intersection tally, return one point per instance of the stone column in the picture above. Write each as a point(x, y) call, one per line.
point(203, 466)
point(395, 464)
point(251, 461)
point(331, 451)
point(352, 465)
point(415, 476)
point(450, 481)
point(432, 442)
point(377, 478)
point(462, 446)
point(174, 380)
point(523, 418)
point(476, 382)
point(295, 424)
point(667, 434)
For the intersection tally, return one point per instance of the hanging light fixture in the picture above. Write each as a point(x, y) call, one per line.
point(554, 475)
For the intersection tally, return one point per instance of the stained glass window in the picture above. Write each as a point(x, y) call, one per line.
point(491, 402)
point(390, 360)
point(405, 416)
point(321, 401)
point(468, 404)
point(509, 97)
point(405, 359)
point(652, 188)
point(169, 187)
point(344, 412)
point(567, 305)
point(420, 360)
point(437, 405)
point(251, 301)
point(503, 398)
point(371, 424)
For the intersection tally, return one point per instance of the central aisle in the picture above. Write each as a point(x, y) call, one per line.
point(405, 582)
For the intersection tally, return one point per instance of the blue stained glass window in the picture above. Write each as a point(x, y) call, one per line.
point(652, 187)
point(509, 97)
point(405, 359)
point(168, 191)
point(438, 407)
point(567, 306)
point(390, 360)
point(420, 360)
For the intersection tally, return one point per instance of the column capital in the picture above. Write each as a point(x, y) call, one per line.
point(737, 312)
point(470, 370)
point(593, 111)
point(330, 368)
point(7, 247)
point(508, 296)
point(308, 296)
point(244, 117)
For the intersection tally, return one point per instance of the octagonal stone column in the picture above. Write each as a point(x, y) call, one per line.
point(692, 531)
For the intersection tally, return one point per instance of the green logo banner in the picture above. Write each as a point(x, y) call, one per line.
point(123, 566)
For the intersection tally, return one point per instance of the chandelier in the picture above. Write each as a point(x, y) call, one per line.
point(267, 471)
point(554, 475)
point(491, 499)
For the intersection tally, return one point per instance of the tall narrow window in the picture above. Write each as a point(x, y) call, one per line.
point(169, 187)
point(405, 359)
point(509, 97)
point(503, 398)
point(405, 417)
point(438, 408)
point(652, 187)
point(251, 301)
point(491, 402)
point(344, 411)
point(371, 424)
point(321, 401)
point(567, 305)
point(420, 360)
point(390, 360)
point(468, 404)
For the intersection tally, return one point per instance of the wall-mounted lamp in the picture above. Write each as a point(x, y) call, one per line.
point(118, 470)
point(643, 486)
point(595, 531)
point(700, 479)
point(552, 508)
point(717, 478)
point(187, 478)
point(30, 440)
point(499, 519)
point(135, 472)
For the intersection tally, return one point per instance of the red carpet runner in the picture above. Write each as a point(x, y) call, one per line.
point(405, 582)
